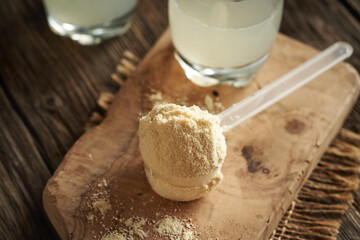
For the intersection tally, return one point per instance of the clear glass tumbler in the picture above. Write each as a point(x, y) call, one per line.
point(223, 41)
point(89, 21)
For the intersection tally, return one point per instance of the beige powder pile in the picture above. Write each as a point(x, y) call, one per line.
point(100, 200)
point(212, 105)
point(135, 225)
point(102, 204)
point(156, 97)
point(174, 229)
point(168, 227)
point(183, 149)
point(132, 230)
point(114, 235)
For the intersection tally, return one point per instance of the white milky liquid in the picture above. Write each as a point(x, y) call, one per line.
point(224, 34)
point(88, 13)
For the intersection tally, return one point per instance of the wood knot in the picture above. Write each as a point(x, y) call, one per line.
point(52, 102)
point(215, 93)
point(294, 126)
point(265, 171)
point(248, 154)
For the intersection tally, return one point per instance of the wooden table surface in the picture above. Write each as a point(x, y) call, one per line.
point(49, 86)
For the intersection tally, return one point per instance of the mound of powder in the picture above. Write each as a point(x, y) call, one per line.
point(183, 149)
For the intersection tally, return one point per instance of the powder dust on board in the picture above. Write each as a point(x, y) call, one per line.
point(168, 227)
point(134, 227)
point(211, 103)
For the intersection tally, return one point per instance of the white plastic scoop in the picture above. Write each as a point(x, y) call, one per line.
point(284, 85)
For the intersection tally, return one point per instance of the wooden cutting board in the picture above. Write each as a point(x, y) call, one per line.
point(269, 156)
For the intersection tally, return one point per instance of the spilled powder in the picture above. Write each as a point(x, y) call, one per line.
point(90, 217)
point(103, 183)
point(156, 97)
point(114, 235)
point(211, 103)
point(100, 199)
point(188, 235)
point(174, 228)
point(168, 227)
point(135, 225)
point(102, 205)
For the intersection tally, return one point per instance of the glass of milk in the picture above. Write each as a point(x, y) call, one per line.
point(89, 21)
point(223, 41)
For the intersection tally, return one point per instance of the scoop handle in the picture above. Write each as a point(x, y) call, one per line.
point(284, 85)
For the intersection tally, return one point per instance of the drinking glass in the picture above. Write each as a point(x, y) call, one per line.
point(89, 21)
point(223, 41)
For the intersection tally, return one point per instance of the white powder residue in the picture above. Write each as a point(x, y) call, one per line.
point(213, 105)
point(135, 226)
point(156, 97)
point(114, 235)
point(188, 235)
point(174, 229)
point(169, 226)
point(100, 199)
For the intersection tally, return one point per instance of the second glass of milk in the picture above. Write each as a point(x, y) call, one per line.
point(89, 21)
point(223, 41)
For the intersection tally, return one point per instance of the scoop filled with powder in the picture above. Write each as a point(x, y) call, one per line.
point(183, 149)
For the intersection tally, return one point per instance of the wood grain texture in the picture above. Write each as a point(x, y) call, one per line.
point(20, 199)
point(260, 179)
point(324, 198)
point(319, 24)
point(353, 7)
point(54, 84)
point(62, 79)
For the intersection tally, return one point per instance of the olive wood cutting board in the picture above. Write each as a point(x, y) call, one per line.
point(269, 156)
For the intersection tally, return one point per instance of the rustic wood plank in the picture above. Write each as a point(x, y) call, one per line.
point(322, 201)
point(23, 176)
point(320, 23)
point(267, 161)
